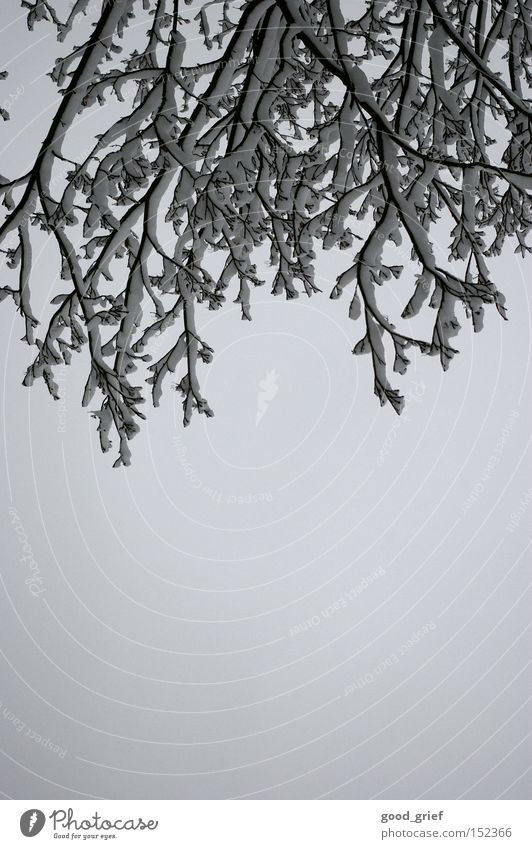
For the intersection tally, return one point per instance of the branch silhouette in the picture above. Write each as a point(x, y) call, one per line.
point(305, 132)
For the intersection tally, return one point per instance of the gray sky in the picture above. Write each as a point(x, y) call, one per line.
point(305, 596)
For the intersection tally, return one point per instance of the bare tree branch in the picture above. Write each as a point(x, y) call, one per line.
point(306, 132)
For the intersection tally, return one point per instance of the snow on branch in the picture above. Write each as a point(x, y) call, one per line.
point(303, 130)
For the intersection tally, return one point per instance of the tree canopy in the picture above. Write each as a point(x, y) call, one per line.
point(302, 130)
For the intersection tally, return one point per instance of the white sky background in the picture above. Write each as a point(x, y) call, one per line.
point(163, 654)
